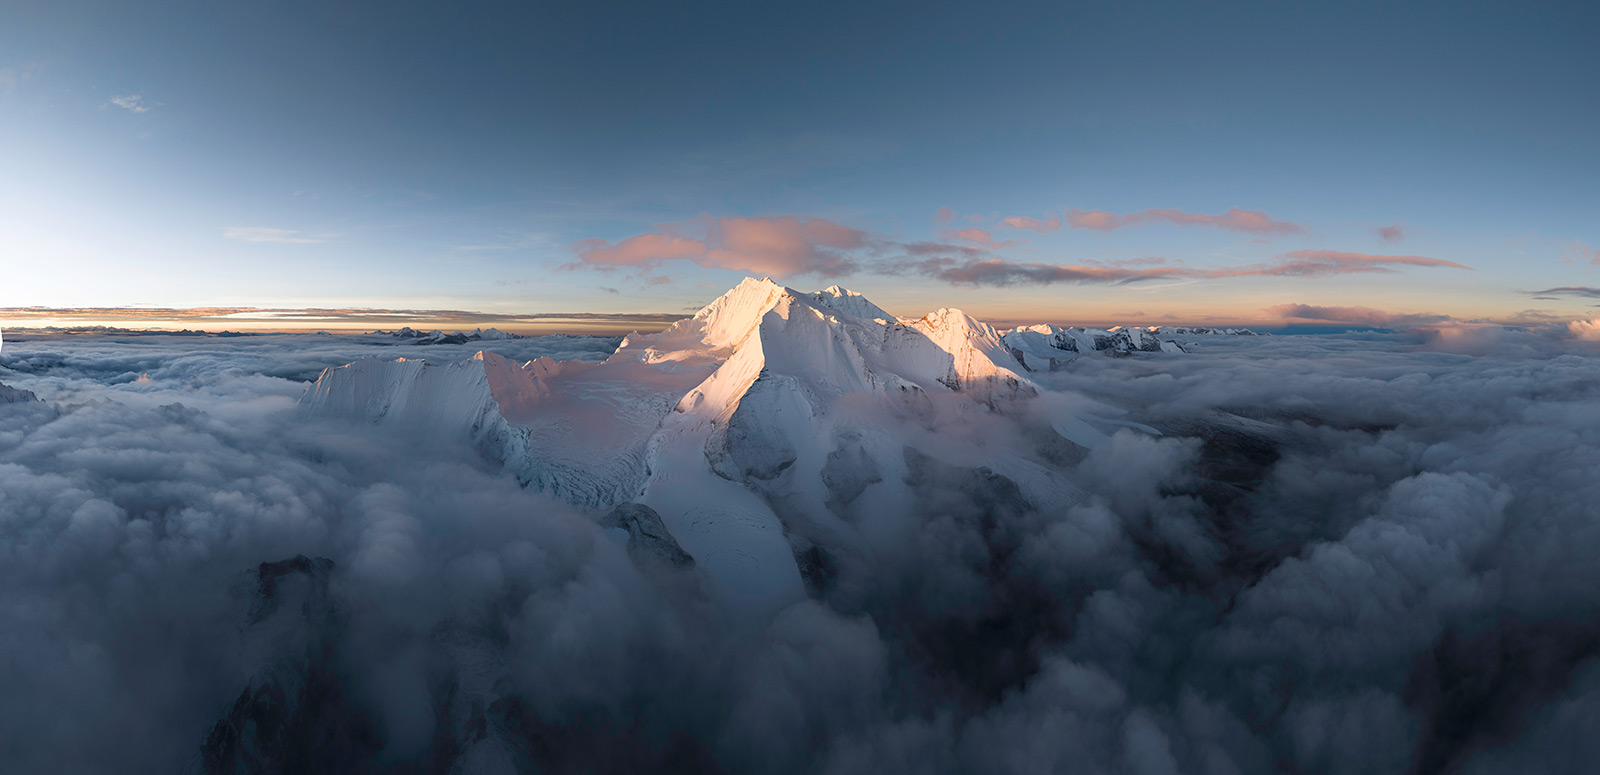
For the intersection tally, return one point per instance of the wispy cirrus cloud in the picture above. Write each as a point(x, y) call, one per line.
point(11, 77)
point(999, 272)
point(1299, 263)
point(1365, 316)
point(1313, 314)
point(791, 245)
point(1313, 263)
point(1579, 251)
point(1567, 290)
point(1024, 223)
point(267, 234)
point(1235, 219)
point(132, 102)
point(945, 216)
point(779, 246)
point(976, 236)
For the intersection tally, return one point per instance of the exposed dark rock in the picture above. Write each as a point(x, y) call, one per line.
point(848, 472)
point(648, 538)
point(295, 715)
point(11, 395)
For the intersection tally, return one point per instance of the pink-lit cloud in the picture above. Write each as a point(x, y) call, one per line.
point(930, 248)
point(1586, 330)
point(779, 246)
point(1135, 261)
point(1391, 233)
point(945, 216)
point(1235, 219)
point(980, 237)
point(1033, 224)
point(1319, 263)
point(1579, 251)
point(644, 249)
point(789, 245)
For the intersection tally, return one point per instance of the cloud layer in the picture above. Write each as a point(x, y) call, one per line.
point(1331, 560)
point(306, 317)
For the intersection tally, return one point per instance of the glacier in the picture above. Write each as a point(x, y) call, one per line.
point(771, 425)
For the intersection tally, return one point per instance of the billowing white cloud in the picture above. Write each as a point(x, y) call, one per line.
point(1329, 560)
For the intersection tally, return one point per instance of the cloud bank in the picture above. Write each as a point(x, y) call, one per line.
point(308, 317)
point(1342, 554)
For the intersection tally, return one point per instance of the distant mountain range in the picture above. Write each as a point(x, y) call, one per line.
point(439, 337)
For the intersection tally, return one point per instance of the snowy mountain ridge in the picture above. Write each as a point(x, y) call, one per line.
point(437, 336)
point(1200, 331)
point(767, 401)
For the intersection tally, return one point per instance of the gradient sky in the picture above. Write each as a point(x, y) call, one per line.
point(524, 160)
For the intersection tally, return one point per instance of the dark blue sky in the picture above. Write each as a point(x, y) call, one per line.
point(417, 155)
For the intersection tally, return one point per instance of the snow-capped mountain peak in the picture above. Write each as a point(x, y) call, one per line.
point(764, 389)
point(848, 302)
point(730, 319)
point(1046, 347)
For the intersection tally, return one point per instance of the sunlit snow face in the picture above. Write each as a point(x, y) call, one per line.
point(1323, 559)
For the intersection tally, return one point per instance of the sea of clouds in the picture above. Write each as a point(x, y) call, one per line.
point(1345, 554)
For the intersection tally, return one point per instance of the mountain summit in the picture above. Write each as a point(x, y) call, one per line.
point(767, 401)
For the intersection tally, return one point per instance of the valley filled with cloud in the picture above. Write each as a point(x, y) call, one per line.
point(1362, 552)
